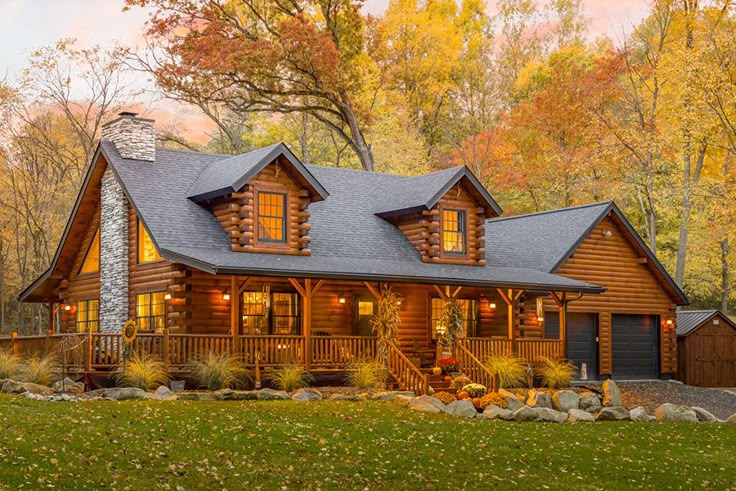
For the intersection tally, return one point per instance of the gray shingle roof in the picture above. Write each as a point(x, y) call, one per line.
point(348, 239)
point(689, 320)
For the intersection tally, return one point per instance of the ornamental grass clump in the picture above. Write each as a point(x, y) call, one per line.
point(290, 378)
point(555, 374)
point(495, 399)
point(216, 371)
point(367, 374)
point(474, 390)
point(144, 372)
point(42, 370)
point(509, 370)
point(9, 363)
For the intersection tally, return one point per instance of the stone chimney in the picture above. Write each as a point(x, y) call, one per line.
point(134, 137)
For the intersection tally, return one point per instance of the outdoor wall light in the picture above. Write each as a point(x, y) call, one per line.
point(668, 322)
point(607, 233)
point(226, 295)
point(167, 296)
point(540, 319)
point(67, 307)
point(341, 299)
point(492, 305)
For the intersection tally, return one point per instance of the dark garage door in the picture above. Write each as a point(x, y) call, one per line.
point(581, 338)
point(635, 346)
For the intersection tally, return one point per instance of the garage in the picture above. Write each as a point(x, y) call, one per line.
point(582, 342)
point(706, 348)
point(635, 343)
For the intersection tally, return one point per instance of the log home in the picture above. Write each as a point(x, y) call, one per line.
point(285, 262)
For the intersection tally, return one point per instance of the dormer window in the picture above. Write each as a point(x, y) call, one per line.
point(454, 231)
point(271, 217)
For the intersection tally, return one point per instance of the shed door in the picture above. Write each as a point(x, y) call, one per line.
point(582, 344)
point(711, 350)
point(635, 346)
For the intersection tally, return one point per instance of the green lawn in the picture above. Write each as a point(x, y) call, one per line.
point(338, 445)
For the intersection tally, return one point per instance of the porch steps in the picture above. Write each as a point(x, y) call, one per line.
point(438, 383)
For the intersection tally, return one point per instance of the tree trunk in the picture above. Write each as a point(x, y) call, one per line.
point(725, 289)
point(688, 182)
point(303, 139)
point(357, 142)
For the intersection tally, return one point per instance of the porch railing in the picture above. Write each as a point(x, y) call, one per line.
point(341, 351)
point(532, 349)
point(406, 373)
point(272, 350)
point(483, 347)
point(472, 367)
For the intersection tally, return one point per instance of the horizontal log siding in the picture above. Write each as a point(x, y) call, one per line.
point(632, 288)
point(237, 213)
point(80, 287)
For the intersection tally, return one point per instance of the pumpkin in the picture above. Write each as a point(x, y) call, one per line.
point(463, 395)
point(437, 371)
point(447, 378)
point(476, 402)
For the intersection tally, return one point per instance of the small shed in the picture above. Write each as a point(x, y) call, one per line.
point(706, 348)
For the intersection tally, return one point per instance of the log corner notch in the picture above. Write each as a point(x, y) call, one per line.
point(511, 298)
point(307, 290)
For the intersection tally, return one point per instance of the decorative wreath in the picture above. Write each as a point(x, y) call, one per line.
point(130, 331)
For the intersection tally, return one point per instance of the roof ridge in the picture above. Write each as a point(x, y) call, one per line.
point(699, 311)
point(556, 210)
point(183, 150)
point(359, 171)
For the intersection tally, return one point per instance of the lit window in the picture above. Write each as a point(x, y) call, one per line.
point(453, 231)
point(88, 315)
point(146, 248)
point(91, 263)
point(151, 311)
point(470, 315)
point(271, 217)
point(270, 313)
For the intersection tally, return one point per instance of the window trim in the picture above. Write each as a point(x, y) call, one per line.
point(139, 225)
point(269, 315)
point(86, 322)
point(284, 219)
point(462, 222)
point(86, 254)
point(153, 318)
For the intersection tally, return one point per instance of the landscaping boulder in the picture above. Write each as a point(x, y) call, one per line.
point(579, 416)
point(163, 393)
point(493, 412)
point(639, 414)
point(11, 386)
point(307, 395)
point(345, 397)
point(611, 394)
point(525, 413)
point(403, 400)
point(673, 413)
point(429, 404)
point(564, 400)
point(704, 415)
point(614, 413)
point(197, 396)
point(731, 419)
point(550, 415)
point(272, 395)
point(68, 385)
point(538, 399)
point(463, 409)
point(512, 401)
point(236, 395)
point(590, 402)
point(126, 394)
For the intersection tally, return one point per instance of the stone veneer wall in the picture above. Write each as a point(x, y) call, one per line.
point(113, 254)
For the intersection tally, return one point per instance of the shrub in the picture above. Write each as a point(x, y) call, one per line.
point(445, 397)
point(494, 398)
point(474, 390)
point(42, 370)
point(509, 370)
point(217, 371)
point(144, 372)
point(460, 381)
point(555, 374)
point(290, 378)
point(366, 374)
point(9, 363)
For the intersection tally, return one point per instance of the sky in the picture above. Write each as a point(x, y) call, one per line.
point(26, 25)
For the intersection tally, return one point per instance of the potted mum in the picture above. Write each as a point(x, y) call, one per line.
point(448, 365)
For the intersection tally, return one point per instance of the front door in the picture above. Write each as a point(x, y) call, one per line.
point(582, 345)
point(365, 307)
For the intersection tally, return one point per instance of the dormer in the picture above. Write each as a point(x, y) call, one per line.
point(261, 199)
point(443, 215)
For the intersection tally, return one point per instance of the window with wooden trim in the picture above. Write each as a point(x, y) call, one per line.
point(91, 263)
point(270, 313)
point(151, 311)
point(454, 231)
point(88, 315)
point(470, 315)
point(147, 251)
point(271, 217)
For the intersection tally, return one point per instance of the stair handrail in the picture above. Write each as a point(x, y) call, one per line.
point(485, 376)
point(405, 372)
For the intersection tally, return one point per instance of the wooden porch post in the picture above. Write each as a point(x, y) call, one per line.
point(511, 297)
point(51, 317)
point(234, 294)
point(307, 292)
